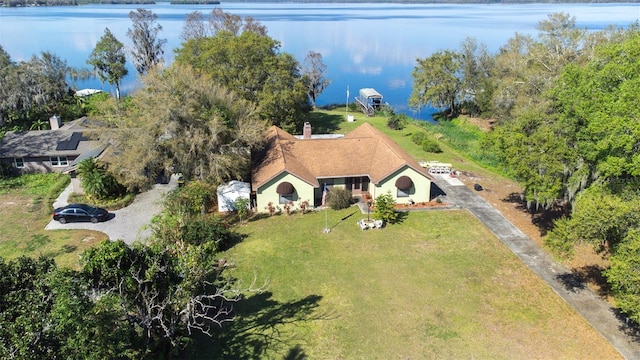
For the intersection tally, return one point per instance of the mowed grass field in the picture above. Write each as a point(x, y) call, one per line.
point(23, 219)
point(438, 285)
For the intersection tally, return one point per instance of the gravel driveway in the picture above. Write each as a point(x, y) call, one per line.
point(127, 224)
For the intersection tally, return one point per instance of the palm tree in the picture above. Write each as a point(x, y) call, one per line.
point(96, 181)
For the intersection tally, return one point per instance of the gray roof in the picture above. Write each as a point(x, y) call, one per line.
point(72, 139)
point(92, 153)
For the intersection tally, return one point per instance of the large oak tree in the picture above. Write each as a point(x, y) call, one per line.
point(183, 122)
point(251, 65)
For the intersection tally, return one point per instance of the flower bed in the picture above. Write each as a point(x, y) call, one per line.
point(421, 205)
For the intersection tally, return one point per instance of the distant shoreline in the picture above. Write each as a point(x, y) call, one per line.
point(52, 3)
point(31, 3)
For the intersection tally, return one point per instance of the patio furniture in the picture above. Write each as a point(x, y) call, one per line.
point(378, 224)
point(362, 225)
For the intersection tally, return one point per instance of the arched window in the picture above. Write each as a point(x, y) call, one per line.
point(404, 185)
point(286, 192)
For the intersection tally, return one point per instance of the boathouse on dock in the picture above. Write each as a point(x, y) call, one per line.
point(369, 101)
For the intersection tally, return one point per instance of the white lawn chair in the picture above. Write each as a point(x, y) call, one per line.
point(378, 224)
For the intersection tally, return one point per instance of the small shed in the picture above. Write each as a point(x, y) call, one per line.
point(230, 192)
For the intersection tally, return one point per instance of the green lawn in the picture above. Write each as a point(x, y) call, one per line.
point(23, 217)
point(438, 285)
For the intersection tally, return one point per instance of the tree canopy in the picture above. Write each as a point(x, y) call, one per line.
point(437, 81)
point(109, 61)
point(151, 301)
point(313, 72)
point(250, 65)
point(33, 89)
point(565, 126)
point(181, 121)
point(147, 49)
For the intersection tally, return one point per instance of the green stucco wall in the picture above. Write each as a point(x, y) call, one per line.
point(267, 193)
point(421, 186)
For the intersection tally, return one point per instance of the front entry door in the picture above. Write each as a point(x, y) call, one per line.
point(357, 185)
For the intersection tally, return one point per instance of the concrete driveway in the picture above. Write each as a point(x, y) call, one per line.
point(128, 224)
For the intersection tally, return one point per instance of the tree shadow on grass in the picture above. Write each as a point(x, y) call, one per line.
point(578, 278)
point(627, 325)
point(260, 327)
point(233, 240)
point(322, 123)
point(542, 219)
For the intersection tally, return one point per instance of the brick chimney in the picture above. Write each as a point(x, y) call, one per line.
point(306, 131)
point(55, 121)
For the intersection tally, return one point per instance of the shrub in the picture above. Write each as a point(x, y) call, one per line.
point(241, 206)
point(304, 206)
point(386, 209)
point(271, 208)
point(109, 204)
point(54, 192)
point(339, 198)
point(418, 137)
point(431, 146)
point(397, 122)
point(288, 207)
point(200, 231)
point(394, 123)
point(192, 199)
point(97, 182)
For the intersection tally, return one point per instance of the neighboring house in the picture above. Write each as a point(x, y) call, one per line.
point(365, 160)
point(57, 150)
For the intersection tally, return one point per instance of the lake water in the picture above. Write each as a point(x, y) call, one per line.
point(363, 45)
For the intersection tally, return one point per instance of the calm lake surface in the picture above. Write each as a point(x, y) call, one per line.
point(363, 45)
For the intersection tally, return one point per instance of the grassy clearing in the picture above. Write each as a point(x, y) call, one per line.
point(439, 285)
point(23, 219)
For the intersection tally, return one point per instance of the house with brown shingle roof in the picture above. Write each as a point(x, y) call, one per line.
point(296, 169)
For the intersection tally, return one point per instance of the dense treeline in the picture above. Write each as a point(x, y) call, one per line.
point(195, 2)
point(23, 3)
point(566, 127)
point(16, 3)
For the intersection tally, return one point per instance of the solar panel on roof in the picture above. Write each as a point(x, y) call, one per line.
point(72, 143)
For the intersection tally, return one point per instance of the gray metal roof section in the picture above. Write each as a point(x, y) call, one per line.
point(370, 93)
point(69, 140)
point(92, 153)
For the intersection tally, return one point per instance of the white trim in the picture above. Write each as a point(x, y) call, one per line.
point(59, 161)
point(15, 163)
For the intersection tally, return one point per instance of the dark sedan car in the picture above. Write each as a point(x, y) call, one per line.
point(79, 212)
